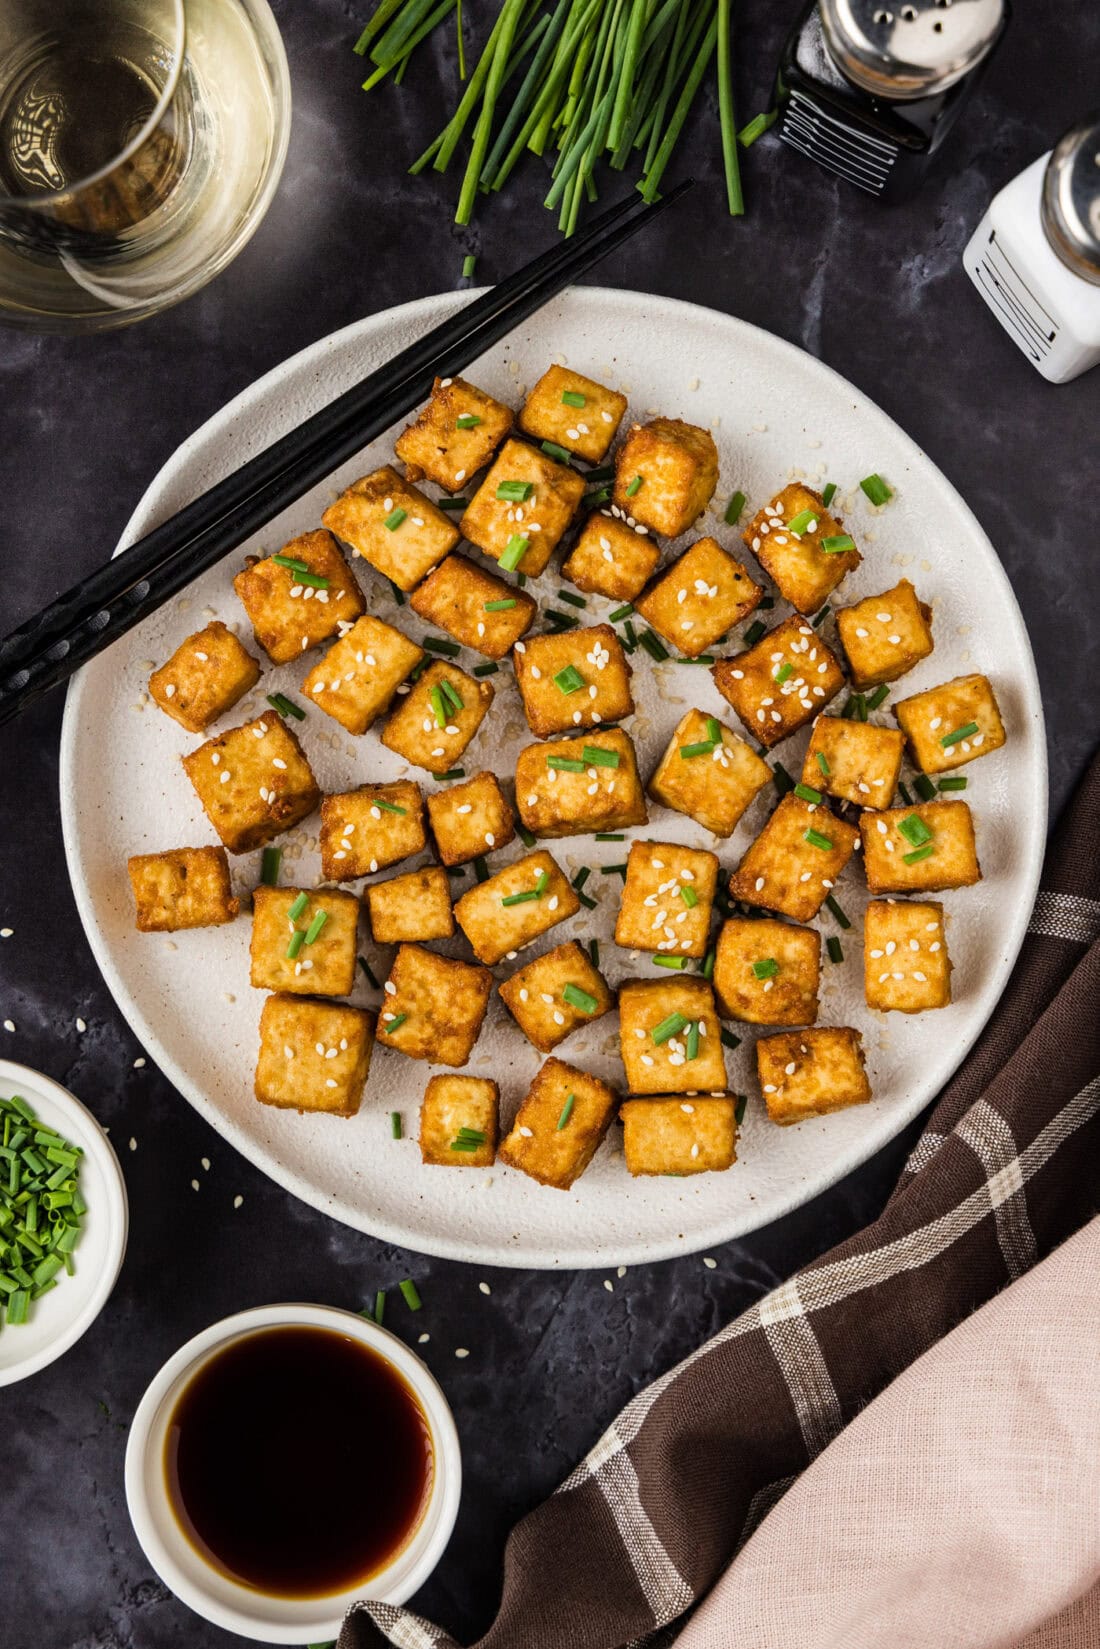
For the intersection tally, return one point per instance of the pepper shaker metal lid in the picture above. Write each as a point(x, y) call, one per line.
point(1071, 199)
point(905, 51)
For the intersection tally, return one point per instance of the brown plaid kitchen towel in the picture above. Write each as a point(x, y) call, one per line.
point(1007, 1168)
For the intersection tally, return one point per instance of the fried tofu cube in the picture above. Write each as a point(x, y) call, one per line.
point(804, 572)
point(559, 1125)
point(573, 412)
point(674, 1009)
point(539, 520)
point(578, 679)
point(921, 849)
point(782, 682)
point(564, 800)
point(715, 782)
point(854, 761)
point(679, 1136)
point(411, 908)
point(667, 899)
point(610, 558)
point(323, 966)
point(393, 526)
point(434, 1007)
point(470, 818)
point(796, 860)
point(206, 676)
point(885, 635)
point(555, 994)
point(905, 962)
point(695, 600)
point(366, 829)
point(477, 608)
point(254, 782)
point(314, 1056)
point(951, 725)
point(185, 887)
point(767, 972)
point(515, 906)
point(288, 616)
point(455, 1110)
point(810, 1073)
point(428, 728)
point(455, 435)
point(360, 673)
point(677, 467)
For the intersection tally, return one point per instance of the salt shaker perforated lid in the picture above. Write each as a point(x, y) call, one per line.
point(1071, 199)
point(913, 50)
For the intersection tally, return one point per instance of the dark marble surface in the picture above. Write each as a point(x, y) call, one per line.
point(85, 423)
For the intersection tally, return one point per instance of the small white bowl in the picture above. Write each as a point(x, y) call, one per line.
point(60, 1317)
point(216, 1596)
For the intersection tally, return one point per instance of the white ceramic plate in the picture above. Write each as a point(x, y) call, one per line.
point(775, 411)
point(59, 1318)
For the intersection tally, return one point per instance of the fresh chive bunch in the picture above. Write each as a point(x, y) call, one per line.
point(40, 1208)
point(592, 81)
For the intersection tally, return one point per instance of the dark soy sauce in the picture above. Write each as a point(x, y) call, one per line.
point(298, 1461)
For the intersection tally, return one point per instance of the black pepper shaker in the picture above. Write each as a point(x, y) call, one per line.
point(870, 92)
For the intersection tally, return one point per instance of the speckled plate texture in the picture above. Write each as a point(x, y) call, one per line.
point(776, 413)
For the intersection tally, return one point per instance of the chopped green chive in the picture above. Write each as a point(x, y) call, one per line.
point(369, 972)
point(748, 135)
point(467, 420)
point(525, 836)
point(837, 543)
point(521, 579)
point(552, 450)
point(606, 472)
point(808, 793)
point(596, 756)
point(594, 952)
point(829, 494)
point(453, 503)
point(689, 751)
point(837, 912)
point(289, 561)
point(856, 708)
point(740, 1108)
point(569, 679)
point(515, 492)
point(451, 773)
point(915, 831)
point(486, 669)
point(465, 1144)
point(560, 621)
point(728, 1039)
point(919, 853)
point(714, 730)
point(297, 940)
point(285, 706)
point(394, 519)
point(314, 580)
point(833, 946)
point(269, 866)
point(766, 968)
point(513, 553)
point(388, 807)
point(564, 764)
point(816, 839)
point(630, 639)
point(589, 904)
point(573, 600)
point(924, 787)
point(450, 693)
point(439, 709)
point(620, 613)
point(391, 1025)
point(692, 1049)
point(481, 869)
point(754, 632)
point(783, 781)
point(707, 968)
point(959, 734)
point(397, 592)
point(580, 999)
point(456, 872)
point(541, 882)
point(733, 509)
point(503, 606)
point(438, 644)
point(610, 836)
point(679, 963)
point(379, 1305)
point(907, 798)
point(804, 521)
point(784, 671)
point(396, 1129)
point(880, 694)
point(634, 487)
point(521, 898)
point(656, 650)
point(952, 784)
point(819, 618)
point(594, 499)
point(876, 489)
point(572, 398)
point(316, 927)
point(469, 264)
point(475, 1134)
point(613, 870)
point(689, 896)
point(408, 1287)
point(822, 762)
point(566, 1112)
point(299, 907)
point(669, 1027)
point(582, 876)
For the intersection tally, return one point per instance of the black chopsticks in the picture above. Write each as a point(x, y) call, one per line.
point(81, 623)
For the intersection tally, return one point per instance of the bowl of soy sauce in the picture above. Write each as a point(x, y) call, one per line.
point(286, 1463)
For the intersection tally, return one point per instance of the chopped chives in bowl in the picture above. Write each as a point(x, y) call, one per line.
point(41, 1208)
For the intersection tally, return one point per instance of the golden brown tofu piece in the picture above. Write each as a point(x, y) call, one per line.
point(470, 818)
point(206, 676)
point(810, 1073)
point(393, 525)
point(670, 1037)
point(711, 781)
point(455, 1111)
point(782, 682)
point(365, 830)
point(321, 966)
point(516, 905)
point(667, 899)
point(434, 725)
point(411, 908)
point(885, 635)
point(185, 887)
point(434, 1007)
point(361, 672)
point(578, 679)
point(254, 782)
point(679, 1136)
point(559, 1125)
point(555, 800)
point(610, 558)
point(804, 570)
point(477, 608)
point(289, 616)
point(314, 1056)
point(538, 522)
point(767, 972)
point(796, 860)
point(951, 725)
point(921, 849)
point(573, 412)
point(905, 962)
point(555, 994)
point(696, 600)
point(854, 761)
point(444, 443)
point(677, 467)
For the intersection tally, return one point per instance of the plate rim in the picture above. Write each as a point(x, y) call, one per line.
point(432, 308)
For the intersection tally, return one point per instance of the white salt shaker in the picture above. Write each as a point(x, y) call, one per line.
point(1035, 256)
